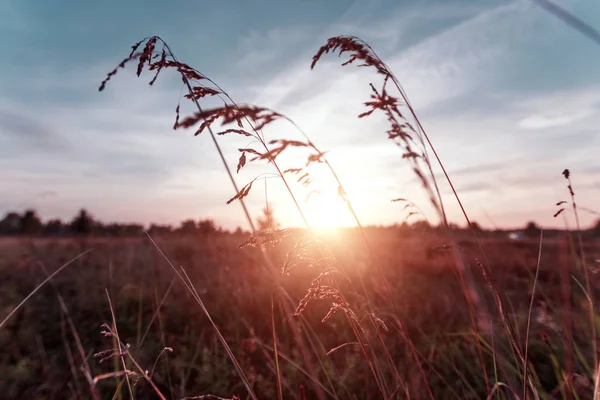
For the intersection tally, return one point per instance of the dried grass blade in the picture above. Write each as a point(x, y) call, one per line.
point(188, 283)
point(34, 291)
point(535, 279)
point(121, 350)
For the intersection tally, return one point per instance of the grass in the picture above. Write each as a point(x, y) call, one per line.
point(291, 313)
point(433, 311)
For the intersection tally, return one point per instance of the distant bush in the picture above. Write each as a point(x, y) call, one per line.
point(82, 224)
point(31, 223)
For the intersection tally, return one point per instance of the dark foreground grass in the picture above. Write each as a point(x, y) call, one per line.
point(43, 344)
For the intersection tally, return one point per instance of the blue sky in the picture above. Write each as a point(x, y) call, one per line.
point(509, 95)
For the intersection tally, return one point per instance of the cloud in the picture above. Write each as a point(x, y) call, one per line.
point(115, 146)
point(475, 187)
point(541, 121)
point(434, 69)
point(559, 108)
point(21, 134)
point(259, 51)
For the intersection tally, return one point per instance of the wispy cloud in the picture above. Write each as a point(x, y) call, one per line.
point(541, 121)
point(560, 108)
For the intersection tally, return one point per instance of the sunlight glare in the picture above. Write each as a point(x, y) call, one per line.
point(327, 211)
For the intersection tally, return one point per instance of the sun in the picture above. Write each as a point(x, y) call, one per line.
point(327, 211)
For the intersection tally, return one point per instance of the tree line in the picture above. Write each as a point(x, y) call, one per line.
point(28, 223)
point(83, 224)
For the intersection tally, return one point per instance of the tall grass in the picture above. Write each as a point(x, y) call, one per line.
point(406, 353)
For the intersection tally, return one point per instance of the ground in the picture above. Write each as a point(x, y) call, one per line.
point(404, 286)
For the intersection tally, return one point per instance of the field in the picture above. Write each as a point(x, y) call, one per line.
point(434, 307)
point(53, 342)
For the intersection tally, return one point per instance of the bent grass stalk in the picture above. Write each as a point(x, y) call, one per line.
point(592, 307)
point(535, 279)
point(194, 93)
point(121, 347)
point(376, 369)
point(189, 285)
point(341, 191)
point(66, 315)
point(209, 117)
point(38, 287)
point(343, 194)
point(360, 50)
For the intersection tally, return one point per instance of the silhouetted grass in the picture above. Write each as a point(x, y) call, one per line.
point(294, 313)
point(432, 308)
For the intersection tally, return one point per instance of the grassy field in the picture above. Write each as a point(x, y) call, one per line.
point(47, 349)
point(362, 313)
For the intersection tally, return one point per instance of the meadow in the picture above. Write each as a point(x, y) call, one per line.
point(51, 343)
point(360, 313)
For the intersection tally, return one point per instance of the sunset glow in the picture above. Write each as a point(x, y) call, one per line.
point(328, 211)
point(300, 199)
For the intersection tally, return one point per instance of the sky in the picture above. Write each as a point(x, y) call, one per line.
point(509, 95)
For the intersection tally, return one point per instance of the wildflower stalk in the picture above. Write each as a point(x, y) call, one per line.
point(375, 368)
point(207, 118)
point(588, 286)
point(360, 50)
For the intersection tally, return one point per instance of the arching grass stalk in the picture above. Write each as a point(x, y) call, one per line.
point(38, 287)
point(535, 280)
point(166, 59)
point(487, 273)
point(343, 194)
point(257, 118)
point(401, 133)
point(147, 56)
point(583, 261)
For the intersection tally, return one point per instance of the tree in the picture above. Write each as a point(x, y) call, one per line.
point(132, 229)
point(207, 226)
point(159, 229)
point(267, 221)
point(54, 227)
point(532, 230)
point(113, 229)
point(476, 227)
point(596, 229)
point(187, 227)
point(421, 226)
point(98, 229)
point(11, 224)
point(451, 225)
point(82, 224)
point(31, 223)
